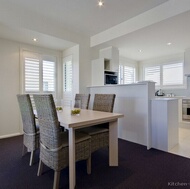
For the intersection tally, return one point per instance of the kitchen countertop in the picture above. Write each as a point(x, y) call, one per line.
point(178, 97)
point(165, 98)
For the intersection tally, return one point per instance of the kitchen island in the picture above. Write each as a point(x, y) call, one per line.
point(164, 123)
point(132, 100)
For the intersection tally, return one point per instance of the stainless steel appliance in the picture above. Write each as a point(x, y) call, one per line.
point(110, 77)
point(159, 93)
point(186, 109)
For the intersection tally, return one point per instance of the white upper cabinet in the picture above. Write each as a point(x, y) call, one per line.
point(111, 55)
point(98, 72)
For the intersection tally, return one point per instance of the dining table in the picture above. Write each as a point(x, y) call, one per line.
point(89, 118)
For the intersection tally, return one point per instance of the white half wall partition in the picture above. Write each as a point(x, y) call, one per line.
point(132, 100)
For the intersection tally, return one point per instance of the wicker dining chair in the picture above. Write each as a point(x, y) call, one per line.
point(54, 151)
point(31, 131)
point(100, 133)
point(83, 99)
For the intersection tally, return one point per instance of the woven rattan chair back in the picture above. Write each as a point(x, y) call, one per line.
point(27, 114)
point(100, 133)
point(83, 99)
point(104, 102)
point(31, 135)
point(48, 121)
point(54, 151)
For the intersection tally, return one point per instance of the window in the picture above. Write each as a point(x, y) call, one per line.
point(153, 74)
point(39, 74)
point(173, 74)
point(67, 81)
point(67, 74)
point(126, 74)
point(32, 75)
point(168, 75)
point(48, 76)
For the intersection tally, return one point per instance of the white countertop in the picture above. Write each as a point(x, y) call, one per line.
point(164, 98)
point(115, 85)
point(178, 97)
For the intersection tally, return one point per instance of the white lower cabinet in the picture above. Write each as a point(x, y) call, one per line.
point(164, 123)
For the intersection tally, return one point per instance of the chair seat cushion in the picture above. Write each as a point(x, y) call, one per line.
point(93, 130)
point(79, 137)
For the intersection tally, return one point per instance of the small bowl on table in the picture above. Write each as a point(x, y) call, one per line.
point(75, 111)
point(59, 108)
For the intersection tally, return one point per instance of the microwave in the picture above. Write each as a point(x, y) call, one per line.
point(111, 79)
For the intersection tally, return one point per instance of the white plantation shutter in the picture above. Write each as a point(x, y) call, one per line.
point(67, 81)
point(32, 76)
point(126, 74)
point(129, 75)
point(153, 73)
point(39, 74)
point(67, 70)
point(173, 74)
point(48, 76)
point(166, 75)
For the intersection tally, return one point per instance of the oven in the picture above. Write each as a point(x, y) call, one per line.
point(110, 79)
point(186, 109)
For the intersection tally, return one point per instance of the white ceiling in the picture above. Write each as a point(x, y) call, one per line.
point(153, 40)
point(86, 18)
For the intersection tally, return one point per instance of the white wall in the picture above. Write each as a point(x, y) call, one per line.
point(10, 75)
point(81, 66)
point(187, 61)
point(9, 84)
point(10, 123)
point(84, 66)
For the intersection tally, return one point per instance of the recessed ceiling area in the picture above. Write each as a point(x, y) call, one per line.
point(82, 16)
point(20, 20)
point(153, 40)
point(27, 36)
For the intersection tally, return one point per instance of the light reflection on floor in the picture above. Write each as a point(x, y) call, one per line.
point(183, 148)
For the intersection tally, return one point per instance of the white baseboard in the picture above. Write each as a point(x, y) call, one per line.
point(11, 135)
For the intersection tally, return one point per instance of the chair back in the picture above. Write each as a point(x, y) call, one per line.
point(83, 99)
point(104, 102)
point(27, 114)
point(48, 121)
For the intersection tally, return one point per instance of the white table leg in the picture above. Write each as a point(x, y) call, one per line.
point(113, 143)
point(72, 168)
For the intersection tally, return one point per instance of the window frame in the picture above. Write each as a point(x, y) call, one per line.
point(158, 66)
point(65, 60)
point(182, 86)
point(176, 83)
point(41, 57)
point(123, 70)
point(67, 96)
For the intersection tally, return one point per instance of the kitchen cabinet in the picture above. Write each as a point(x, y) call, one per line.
point(101, 68)
point(164, 123)
point(107, 64)
point(98, 72)
point(112, 55)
